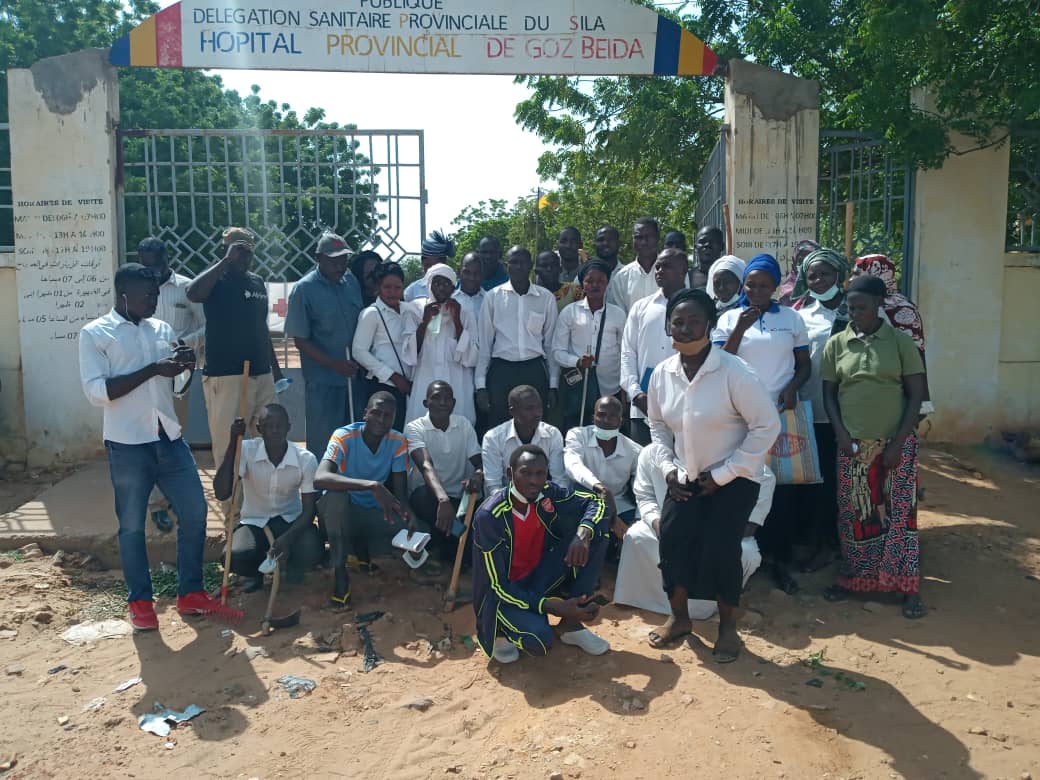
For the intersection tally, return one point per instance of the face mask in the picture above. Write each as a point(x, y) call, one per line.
point(826, 296)
point(691, 348)
point(730, 302)
point(520, 496)
point(434, 326)
point(605, 434)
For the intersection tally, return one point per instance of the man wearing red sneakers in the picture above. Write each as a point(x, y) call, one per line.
point(127, 364)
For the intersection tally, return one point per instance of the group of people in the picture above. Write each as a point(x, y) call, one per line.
point(597, 409)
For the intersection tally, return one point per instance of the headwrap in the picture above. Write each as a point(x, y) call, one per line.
point(801, 249)
point(730, 263)
point(868, 285)
point(595, 265)
point(438, 245)
point(837, 261)
point(765, 263)
point(440, 269)
point(900, 310)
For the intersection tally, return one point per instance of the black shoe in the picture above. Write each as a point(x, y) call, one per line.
point(253, 584)
point(162, 520)
point(783, 579)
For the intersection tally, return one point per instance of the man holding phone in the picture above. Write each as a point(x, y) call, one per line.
point(127, 364)
point(538, 550)
point(235, 302)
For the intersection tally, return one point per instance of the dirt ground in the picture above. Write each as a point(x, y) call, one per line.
point(955, 695)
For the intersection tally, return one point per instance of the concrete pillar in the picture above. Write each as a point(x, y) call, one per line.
point(772, 159)
point(63, 114)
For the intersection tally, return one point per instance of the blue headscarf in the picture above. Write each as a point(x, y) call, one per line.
point(765, 263)
point(438, 245)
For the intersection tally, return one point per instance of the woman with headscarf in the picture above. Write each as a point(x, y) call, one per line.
point(820, 301)
point(378, 334)
point(873, 383)
point(801, 251)
point(772, 340)
point(718, 422)
point(439, 341)
point(724, 282)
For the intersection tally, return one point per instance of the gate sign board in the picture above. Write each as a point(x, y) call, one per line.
point(560, 37)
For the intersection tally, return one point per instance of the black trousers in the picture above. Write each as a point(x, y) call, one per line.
point(640, 431)
point(249, 547)
point(504, 375)
point(443, 545)
point(819, 503)
point(700, 542)
point(402, 403)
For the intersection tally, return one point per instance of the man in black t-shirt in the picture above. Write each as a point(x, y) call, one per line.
point(235, 304)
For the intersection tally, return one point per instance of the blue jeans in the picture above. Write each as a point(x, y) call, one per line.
point(135, 470)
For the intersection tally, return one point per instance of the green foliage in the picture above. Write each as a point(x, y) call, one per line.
point(517, 224)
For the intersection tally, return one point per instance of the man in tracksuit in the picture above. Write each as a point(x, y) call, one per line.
point(538, 551)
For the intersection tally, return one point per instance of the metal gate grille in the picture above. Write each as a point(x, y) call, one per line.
point(186, 186)
point(857, 167)
point(713, 186)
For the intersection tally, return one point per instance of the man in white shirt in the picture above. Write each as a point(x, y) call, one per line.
point(639, 581)
point(189, 326)
point(635, 281)
point(470, 294)
point(278, 496)
point(600, 458)
point(525, 427)
point(645, 343)
point(515, 340)
point(447, 457)
point(127, 362)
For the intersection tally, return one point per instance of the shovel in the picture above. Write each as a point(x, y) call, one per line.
point(270, 623)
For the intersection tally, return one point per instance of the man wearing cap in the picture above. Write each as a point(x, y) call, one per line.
point(189, 326)
point(235, 302)
point(322, 317)
point(435, 249)
point(127, 362)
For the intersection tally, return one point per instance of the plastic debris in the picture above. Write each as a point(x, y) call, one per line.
point(56, 669)
point(467, 642)
point(160, 721)
point(127, 684)
point(814, 682)
point(95, 704)
point(296, 686)
point(84, 633)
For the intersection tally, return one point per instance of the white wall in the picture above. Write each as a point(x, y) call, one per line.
point(63, 114)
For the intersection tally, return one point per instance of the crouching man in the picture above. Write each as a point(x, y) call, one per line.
point(278, 499)
point(538, 551)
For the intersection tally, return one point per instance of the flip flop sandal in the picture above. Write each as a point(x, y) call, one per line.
point(727, 651)
point(914, 608)
point(341, 602)
point(835, 594)
point(658, 641)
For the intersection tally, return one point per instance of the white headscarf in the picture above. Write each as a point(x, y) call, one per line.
point(440, 269)
point(730, 263)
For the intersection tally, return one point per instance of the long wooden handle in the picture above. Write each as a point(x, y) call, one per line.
point(453, 587)
point(276, 579)
point(232, 515)
point(849, 214)
point(729, 228)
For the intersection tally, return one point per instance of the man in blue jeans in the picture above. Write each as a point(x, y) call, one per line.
point(127, 364)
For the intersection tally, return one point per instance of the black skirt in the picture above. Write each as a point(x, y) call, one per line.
point(700, 542)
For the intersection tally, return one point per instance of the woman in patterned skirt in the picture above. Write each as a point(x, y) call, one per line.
point(873, 383)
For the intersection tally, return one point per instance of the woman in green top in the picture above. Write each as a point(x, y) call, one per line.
point(873, 384)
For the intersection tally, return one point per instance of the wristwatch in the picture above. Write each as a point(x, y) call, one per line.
point(584, 534)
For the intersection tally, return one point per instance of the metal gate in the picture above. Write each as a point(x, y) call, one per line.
point(856, 167)
point(712, 193)
point(287, 186)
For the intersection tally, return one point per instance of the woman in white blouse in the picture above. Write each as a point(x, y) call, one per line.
point(707, 407)
point(379, 336)
point(578, 344)
point(440, 342)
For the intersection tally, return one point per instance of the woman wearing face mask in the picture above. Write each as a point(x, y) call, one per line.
point(724, 282)
point(439, 340)
point(820, 301)
point(772, 340)
point(379, 332)
point(716, 417)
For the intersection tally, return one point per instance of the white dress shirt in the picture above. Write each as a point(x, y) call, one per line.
point(638, 582)
point(644, 344)
point(112, 346)
point(374, 344)
point(274, 491)
point(587, 464)
point(501, 442)
point(819, 322)
point(629, 284)
point(577, 331)
point(186, 318)
point(471, 302)
point(768, 346)
point(722, 421)
point(449, 451)
point(516, 327)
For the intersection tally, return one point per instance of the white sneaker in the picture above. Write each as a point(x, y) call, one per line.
point(586, 640)
point(505, 652)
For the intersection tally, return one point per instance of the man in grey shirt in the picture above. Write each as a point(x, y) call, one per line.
point(323, 312)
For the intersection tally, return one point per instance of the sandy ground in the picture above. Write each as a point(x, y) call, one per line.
point(955, 695)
